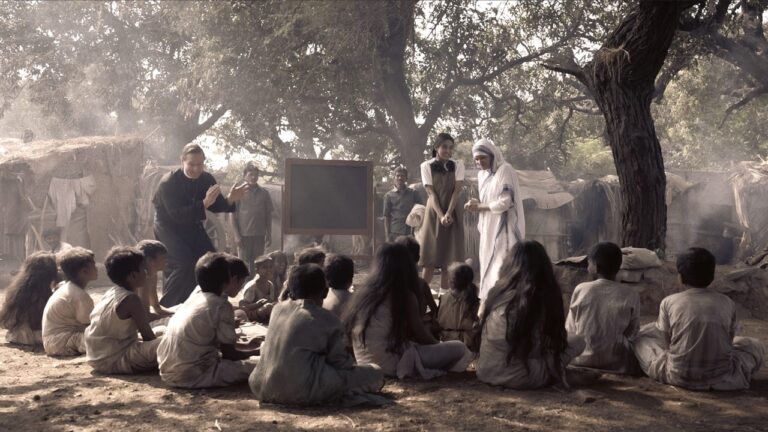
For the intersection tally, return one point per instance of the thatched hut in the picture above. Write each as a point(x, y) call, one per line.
point(749, 182)
point(86, 186)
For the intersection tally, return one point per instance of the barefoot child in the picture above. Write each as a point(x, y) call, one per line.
point(111, 340)
point(259, 296)
point(25, 300)
point(303, 359)
point(692, 344)
point(204, 327)
point(606, 314)
point(156, 259)
point(339, 272)
point(68, 311)
point(457, 316)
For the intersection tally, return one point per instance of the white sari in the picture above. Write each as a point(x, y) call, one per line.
point(504, 224)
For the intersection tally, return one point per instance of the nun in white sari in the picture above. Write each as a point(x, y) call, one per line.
point(501, 219)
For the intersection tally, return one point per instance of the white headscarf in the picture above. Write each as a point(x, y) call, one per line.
point(486, 147)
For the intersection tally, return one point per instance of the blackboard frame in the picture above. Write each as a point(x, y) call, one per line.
point(287, 228)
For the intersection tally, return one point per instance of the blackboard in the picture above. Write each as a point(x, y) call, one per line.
point(328, 197)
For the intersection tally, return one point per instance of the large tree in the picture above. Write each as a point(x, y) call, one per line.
point(378, 77)
point(621, 77)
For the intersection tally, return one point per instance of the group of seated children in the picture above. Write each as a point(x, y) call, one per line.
point(328, 343)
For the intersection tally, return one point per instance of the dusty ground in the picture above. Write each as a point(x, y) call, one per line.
point(39, 393)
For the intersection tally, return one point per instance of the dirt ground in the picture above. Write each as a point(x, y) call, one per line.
point(40, 393)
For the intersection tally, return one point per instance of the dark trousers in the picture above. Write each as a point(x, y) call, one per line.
point(251, 247)
point(185, 246)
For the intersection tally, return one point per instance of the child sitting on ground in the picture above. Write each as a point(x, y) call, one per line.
point(310, 255)
point(303, 359)
point(279, 268)
point(259, 296)
point(524, 342)
point(156, 259)
point(606, 314)
point(457, 315)
point(203, 327)
point(427, 305)
point(25, 300)
point(339, 272)
point(111, 341)
point(68, 311)
point(692, 343)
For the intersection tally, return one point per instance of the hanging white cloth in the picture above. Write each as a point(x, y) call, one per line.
point(67, 194)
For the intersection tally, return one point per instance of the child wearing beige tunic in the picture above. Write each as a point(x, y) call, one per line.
point(606, 314)
point(68, 311)
point(111, 341)
point(304, 360)
point(204, 327)
point(692, 344)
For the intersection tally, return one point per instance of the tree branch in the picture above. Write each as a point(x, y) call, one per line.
point(749, 97)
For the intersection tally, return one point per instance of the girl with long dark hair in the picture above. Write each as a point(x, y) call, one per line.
point(524, 343)
point(25, 298)
point(385, 326)
point(442, 233)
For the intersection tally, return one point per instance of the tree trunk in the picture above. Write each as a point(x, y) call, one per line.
point(621, 77)
point(394, 90)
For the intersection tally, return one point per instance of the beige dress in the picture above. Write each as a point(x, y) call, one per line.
point(414, 360)
point(492, 366)
point(189, 354)
point(24, 335)
point(304, 360)
point(112, 344)
point(692, 344)
point(607, 315)
point(65, 318)
point(441, 246)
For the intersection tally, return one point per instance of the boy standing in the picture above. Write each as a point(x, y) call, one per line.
point(606, 314)
point(398, 203)
point(68, 311)
point(692, 344)
point(111, 340)
point(252, 219)
point(203, 327)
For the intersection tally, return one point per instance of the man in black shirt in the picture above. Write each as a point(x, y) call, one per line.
point(180, 203)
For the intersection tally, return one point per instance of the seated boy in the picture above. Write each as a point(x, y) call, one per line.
point(111, 341)
point(67, 312)
point(155, 258)
point(692, 343)
point(303, 359)
point(203, 327)
point(259, 296)
point(606, 314)
point(310, 255)
point(339, 272)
